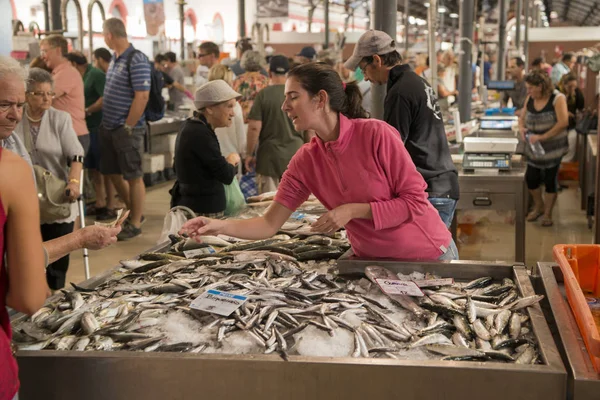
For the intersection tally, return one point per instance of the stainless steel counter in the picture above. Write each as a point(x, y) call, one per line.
point(171, 123)
point(496, 190)
point(130, 375)
point(584, 381)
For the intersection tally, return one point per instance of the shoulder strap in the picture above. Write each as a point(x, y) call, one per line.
point(129, 59)
point(27, 139)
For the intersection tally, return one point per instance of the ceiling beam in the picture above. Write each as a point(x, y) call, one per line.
point(590, 13)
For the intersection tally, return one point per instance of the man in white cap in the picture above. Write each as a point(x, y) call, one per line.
point(411, 107)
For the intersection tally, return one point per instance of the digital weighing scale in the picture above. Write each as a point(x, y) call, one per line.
point(492, 146)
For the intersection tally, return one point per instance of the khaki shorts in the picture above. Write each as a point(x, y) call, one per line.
point(120, 152)
point(266, 183)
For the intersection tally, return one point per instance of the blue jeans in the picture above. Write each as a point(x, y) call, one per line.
point(451, 253)
point(445, 207)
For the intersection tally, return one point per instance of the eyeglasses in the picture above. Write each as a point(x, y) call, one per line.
point(41, 94)
point(362, 69)
point(7, 105)
point(200, 55)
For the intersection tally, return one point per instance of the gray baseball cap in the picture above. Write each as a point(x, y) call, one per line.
point(370, 43)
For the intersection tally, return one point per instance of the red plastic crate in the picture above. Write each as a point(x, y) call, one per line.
point(580, 265)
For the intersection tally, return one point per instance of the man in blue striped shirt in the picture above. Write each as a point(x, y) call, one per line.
point(123, 126)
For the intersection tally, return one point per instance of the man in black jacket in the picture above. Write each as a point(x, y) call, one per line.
point(411, 106)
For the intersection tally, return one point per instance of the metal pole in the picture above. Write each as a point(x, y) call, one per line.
point(326, 11)
point(181, 4)
point(384, 19)
point(465, 79)
point(502, 41)
point(442, 25)
point(432, 29)
point(55, 17)
point(526, 38)
point(518, 24)
point(406, 24)
point(242, 18)
point(46, 15)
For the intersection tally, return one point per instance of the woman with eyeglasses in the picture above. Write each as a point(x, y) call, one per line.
point(543, 124)
point(52, 144)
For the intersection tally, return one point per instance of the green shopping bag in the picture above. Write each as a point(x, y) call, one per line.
point(234, 198)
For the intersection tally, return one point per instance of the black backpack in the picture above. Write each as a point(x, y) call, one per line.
point(155, 109)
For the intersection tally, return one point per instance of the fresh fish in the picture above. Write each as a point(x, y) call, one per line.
point(525, 302)
point(375, 272)
point(435, 338)
point(459, 340)
point(66, 342)
point(515, 326)
point(501, 320)
point(483, 344)
point(82, 343)
point(528, 356)
point(478, 283)
point(498, 355)
point(89, 323)
point(462, 326)
point(471, 310)
point(481, 331)
point(453, 351)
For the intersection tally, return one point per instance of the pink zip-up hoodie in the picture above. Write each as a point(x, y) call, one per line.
point(368, 163)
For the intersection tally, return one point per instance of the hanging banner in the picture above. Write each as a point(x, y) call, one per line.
point(269, 11)
point(154, 14)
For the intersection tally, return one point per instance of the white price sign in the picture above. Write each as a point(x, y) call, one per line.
point(198, 252)
point(434, 282)
point(392, 286)
point(217, 302)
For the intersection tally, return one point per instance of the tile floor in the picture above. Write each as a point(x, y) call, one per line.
point(488, 240)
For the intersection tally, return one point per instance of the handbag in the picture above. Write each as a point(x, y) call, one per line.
point(174, 220)
point(54, 204)
point(234, 199)
point(51, 195)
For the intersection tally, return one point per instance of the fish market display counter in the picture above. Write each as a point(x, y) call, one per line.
point(584, 381)
point(118, 375)
point(493, 190)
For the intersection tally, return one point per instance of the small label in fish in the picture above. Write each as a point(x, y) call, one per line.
point(434, 282)
point(391, 286)
point(198, 252)
point(217, 302)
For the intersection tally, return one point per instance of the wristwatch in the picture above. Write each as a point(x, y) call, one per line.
point(128, 129)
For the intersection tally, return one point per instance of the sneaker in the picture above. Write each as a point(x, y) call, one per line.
point(142, 221)
point(129, 231)
point(93, 210)
point(106, 215)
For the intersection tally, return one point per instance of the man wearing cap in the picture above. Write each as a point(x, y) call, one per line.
point(411, 107)
point(201, 169)
point(271, 129)
point(306, 55)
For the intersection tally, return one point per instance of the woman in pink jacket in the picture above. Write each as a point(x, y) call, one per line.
point(360, 171)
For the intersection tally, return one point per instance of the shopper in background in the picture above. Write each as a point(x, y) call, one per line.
point(52, 144)
point(516, 70)
point(539, 64)
point(271, 130)
point(68, 92)
point(450, 75)
point(102, 59)
point(411, 107)
point(208, 55)
point(575, 104)
point(487, 69)
point(232, 139)
point(12, 100)
point(176, 97)
point(168, 82)
point(563, 67)
point(93, 87)
point(544, 120)
point(38, 62)
point(359, 170)
point(123, 127)
point(250, 82)
point(200, 168)
point(306, 55)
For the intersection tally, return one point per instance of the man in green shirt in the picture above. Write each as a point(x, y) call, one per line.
point(271, 129)
point(93, 89)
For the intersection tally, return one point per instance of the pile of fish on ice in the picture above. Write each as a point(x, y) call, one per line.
point(297, 304)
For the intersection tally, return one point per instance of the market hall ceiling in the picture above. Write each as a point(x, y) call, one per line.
point(571, 12)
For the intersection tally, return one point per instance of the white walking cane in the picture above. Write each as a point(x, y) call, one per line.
point(80, 206)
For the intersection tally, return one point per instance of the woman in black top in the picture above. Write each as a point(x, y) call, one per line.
point(575, 102)
point(200, 168)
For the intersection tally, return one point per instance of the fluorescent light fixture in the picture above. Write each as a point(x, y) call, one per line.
point(553, 15)
point(442, 9)
point(453, 15)
point(426, 5)
point(426, 31)
point(411, 20)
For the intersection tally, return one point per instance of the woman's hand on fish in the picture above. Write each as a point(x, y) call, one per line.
point(334, 219)
point(200, 226)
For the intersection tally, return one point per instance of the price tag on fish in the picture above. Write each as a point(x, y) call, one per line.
point(391, 287)
point(217, 302)
point(199, 252)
